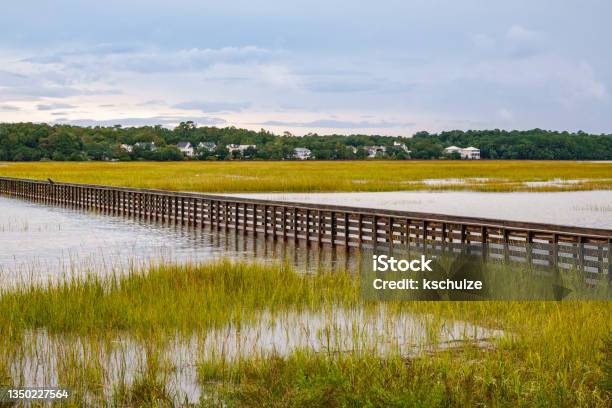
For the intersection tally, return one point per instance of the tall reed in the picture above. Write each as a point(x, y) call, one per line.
point(319, 176)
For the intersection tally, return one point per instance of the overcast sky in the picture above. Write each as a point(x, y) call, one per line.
point(389, 67)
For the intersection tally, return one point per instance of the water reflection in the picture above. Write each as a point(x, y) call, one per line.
point(44, 242)
point(578, 208)
point(44, 358)
point(41, 242)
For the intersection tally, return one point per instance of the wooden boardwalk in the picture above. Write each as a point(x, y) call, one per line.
point(588, 248)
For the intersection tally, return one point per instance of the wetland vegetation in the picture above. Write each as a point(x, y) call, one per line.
point(197, 334)
point(236, 177)
point(232, 333)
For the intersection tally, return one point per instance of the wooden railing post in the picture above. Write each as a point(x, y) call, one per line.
point(320, 227)
point(294, 224)
point(347, 230)
point(333, 229)
point(390, 232)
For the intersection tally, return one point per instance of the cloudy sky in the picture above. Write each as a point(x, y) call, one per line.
point(389, 67)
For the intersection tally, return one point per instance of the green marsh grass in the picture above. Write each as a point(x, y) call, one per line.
point(169, 298)
point(556, 357)
point(322, 176)
point(552, 353)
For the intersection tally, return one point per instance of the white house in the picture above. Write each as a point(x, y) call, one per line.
point(452, 149)
point(302, 153)
point(186, 148)
point(469, 153)
point(401, 146)
point(146, 145)
point(128, 148)
point(373, 151)
point(352, 149)
point(210, 146)
point(241, 148)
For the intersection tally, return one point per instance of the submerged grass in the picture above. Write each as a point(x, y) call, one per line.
point(553, 353)
point(558, 355)
point(169, 298)
point(468, 377)
point(320, 176)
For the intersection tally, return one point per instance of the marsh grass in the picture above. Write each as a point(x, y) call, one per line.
point(553, 353)
point(558, 356)
point(320, 176)
point(169, 298)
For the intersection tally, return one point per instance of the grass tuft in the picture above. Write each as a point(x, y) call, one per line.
point(169, 298)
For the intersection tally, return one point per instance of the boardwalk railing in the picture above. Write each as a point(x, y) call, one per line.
point(326, 224)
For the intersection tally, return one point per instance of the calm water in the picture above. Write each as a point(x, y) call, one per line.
point(577, 208)
point(333, 331)
point(40, 242)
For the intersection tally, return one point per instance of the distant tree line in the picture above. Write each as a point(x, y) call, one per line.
point(33, 142)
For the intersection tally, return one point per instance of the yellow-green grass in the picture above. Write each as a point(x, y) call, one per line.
point(553, 353)
point(318, 176)
point(168, 298)
point(556, 354)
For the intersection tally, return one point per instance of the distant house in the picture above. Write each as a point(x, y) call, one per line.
point(210, 146)
point(302, 153)
point(452, 149)
point(352, 149)
point(374, 151)
point(239, 147)
point(128, 148)
point(469, 153)
point(401, 146)
point(145, 145)
point(186, 148)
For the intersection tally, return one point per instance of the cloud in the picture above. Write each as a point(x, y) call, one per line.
point(523, 42)
point(484, 42)
point(517, 42)
point(144, 121)
point(151, 102)
point(9, 108)
point(37, 88)
point(210, 107)
point(279, 76)
point(519, 33)
point(539, 77)
point(577, 84)
point(338, 124)
point(54, 106)
point(8, 78)
point(476, 65)
point(38, 81)
point(342, 85)
point(149, 60)
point(504, 114)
